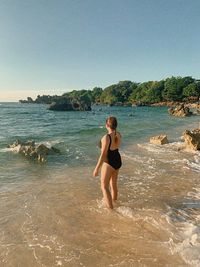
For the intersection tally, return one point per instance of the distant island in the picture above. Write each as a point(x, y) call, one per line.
point(164, 92)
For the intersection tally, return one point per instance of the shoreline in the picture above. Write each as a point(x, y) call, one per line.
point(154, 183)
point(137, 104)
point(172, 104)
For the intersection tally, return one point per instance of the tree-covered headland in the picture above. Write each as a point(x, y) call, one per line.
point(179, 89)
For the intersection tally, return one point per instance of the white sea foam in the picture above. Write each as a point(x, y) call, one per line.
point(125, 211)
point(134, 158)
point(12, 149)
point(5, 149)
point(182, 162)
point(186, 221)
point(194, 194)
point(100, 203)
point(49, 144)
point(158, 149)
point(59, 263)
point(189, 247)
point(138, 159)
point(195, 165)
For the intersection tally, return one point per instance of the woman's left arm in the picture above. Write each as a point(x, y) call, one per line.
point(103, 156)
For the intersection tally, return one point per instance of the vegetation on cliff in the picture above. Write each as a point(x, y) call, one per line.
point(182, 89)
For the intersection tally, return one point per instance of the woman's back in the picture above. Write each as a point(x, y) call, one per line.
point(115, 140)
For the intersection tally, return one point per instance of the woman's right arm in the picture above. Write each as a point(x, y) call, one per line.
point(103, 156)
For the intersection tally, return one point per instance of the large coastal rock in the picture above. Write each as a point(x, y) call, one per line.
point(180, 111)
point(192, 139)
point(29, 101)
point(31, 150)
point(159, 140)
point(70, 104)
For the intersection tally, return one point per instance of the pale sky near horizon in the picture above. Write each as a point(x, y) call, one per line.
point(50, 47)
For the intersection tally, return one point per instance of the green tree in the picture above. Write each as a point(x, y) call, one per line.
point(96, 94)
point(117, 93)
point(173, 89)
point(148, 92)
point(191, 90)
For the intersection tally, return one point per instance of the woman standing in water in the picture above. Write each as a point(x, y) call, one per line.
point(109, 162)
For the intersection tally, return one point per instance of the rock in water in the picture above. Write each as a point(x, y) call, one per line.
point(32, 151)
point(192, 139)
point(71, 104)
point(180, 111)
point(159, 140)
point(20, 143)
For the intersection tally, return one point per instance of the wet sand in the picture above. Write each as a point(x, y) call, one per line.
point(61, 221)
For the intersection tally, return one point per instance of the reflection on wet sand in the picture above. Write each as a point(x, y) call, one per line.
point(60, 220)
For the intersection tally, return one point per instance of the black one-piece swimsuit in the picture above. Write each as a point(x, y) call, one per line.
point(114, 158)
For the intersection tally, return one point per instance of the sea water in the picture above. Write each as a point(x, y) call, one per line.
point(52, 214)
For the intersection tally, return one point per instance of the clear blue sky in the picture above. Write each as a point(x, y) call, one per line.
point(55, 46)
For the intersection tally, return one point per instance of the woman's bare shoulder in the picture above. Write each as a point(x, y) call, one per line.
point(104, 138)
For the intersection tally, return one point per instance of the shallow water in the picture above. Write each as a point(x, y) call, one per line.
point(52, 214)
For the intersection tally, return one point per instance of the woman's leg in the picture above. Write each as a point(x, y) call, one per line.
point(113, 184)
point(106, 172)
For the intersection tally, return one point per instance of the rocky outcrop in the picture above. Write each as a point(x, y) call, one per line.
point(159, 140)
point(67, 104)
point(193, 105)
point(28, 101)
point(63, 103)
point(31, 150)
point(192, 139)
point(165, 104)
point(180, 111)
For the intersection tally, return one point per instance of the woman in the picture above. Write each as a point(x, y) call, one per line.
point(110, 161)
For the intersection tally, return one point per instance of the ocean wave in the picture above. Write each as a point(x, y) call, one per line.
point(195, 193)
point(182, 162)
point(126, 212)
point(189, 247)
point(135, 158)
point(11, 149)
point(49, 143)
point(158, 149)
point(195, 165)
point(185, 221)
point(152, 216)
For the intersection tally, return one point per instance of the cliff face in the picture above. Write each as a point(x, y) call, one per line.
point(67, 104)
